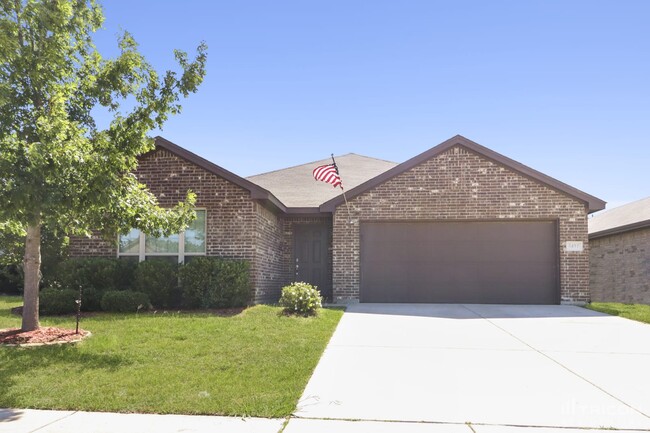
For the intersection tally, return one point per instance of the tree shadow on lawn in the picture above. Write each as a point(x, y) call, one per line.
point(17, 361)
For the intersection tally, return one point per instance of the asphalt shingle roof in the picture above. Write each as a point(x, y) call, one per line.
point(296, 187)
point(631, 215)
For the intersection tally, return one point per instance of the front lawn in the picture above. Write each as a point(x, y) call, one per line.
point(256, 363)
point(639, 312)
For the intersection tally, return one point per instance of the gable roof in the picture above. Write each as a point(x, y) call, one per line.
point(296, 187)
point(593, 203)
point(256, 191)
point(621, 219)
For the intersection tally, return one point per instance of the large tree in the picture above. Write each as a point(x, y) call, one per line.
point(58, 169)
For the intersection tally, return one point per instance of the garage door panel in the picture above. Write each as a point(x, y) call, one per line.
point(466, 262)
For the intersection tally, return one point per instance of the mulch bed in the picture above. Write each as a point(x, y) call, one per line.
point(44, 336)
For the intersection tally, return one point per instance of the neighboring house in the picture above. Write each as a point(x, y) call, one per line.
point(620, 254)
point(457, 223)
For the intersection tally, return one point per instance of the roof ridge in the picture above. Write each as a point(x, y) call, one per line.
point(287, 168)
point(371, 157)
point(316, 162)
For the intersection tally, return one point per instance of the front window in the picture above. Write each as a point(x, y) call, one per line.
point(178, 247)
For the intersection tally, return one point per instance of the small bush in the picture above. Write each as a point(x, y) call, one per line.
point(125, 301)
point(301, 298)
point(158, 279)
point(54, 301)
point(93, 272)
point(211, 282)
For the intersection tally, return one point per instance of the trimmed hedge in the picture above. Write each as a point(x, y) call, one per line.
point(125, 301)
point(97, 273)
point(91, 300)
point(205, 282)
point(211, 282)
point(158, 279)
point(55, 301)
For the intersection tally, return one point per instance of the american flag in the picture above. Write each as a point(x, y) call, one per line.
point(328, 173)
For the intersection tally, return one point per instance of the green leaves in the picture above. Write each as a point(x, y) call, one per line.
point(55, 165)
point(57, 170)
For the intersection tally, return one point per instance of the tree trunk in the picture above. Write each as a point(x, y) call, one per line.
point(32, 269)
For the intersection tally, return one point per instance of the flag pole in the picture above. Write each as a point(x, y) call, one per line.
point(347, 205)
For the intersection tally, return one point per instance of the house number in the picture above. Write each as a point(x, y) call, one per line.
point(574, 246)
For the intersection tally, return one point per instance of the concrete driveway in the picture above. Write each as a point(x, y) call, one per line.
point(489, 365)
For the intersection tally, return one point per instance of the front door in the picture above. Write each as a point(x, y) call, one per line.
point(311, 255)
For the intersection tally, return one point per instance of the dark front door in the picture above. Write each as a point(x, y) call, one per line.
point(311, 255)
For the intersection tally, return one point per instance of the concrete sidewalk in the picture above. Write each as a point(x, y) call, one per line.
point(51, 421)
point(54, 421)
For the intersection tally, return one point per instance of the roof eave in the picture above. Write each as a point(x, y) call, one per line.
point(620, 229)
point(305, 211)
point(593, 203)
point(257, 192)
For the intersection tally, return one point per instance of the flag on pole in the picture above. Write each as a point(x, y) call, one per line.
point(328, 173)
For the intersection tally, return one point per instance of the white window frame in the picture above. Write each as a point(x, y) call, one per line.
point(142, 254)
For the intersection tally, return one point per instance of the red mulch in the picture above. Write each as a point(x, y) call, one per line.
point(44, 335)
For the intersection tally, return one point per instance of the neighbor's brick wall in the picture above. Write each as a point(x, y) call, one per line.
point(620, 267)
point(289, 258)
point(455, 185)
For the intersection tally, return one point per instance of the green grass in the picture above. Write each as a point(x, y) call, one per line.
point(256, 363)
point(639, 312)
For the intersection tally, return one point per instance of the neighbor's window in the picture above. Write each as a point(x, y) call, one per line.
point(179, 247)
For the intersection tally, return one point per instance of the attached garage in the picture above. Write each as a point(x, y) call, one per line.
point(460, 223)
point(513, 262)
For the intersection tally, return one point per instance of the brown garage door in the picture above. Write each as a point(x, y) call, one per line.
point(460, 262)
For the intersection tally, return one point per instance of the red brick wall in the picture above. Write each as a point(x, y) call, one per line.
point(620, 267)
point(269, 268)
point(94, 246)
point(237, 227)
point(230, 212)
point(455, 185)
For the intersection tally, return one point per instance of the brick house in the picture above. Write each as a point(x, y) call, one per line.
point(620, 254)
point(457, 223)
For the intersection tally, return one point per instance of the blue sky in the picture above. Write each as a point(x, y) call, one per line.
point(561, 86)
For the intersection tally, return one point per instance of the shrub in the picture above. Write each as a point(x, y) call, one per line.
point(124, 301)
point(300, 298)
point(158, 279)
point(197, 282)
point(233, 284)
point(11, 279)
point(55, 301)
point(91, 300)
point(93, 272)
point(211, 282)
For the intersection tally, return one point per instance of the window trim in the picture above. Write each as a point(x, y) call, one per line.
point(181, 254)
